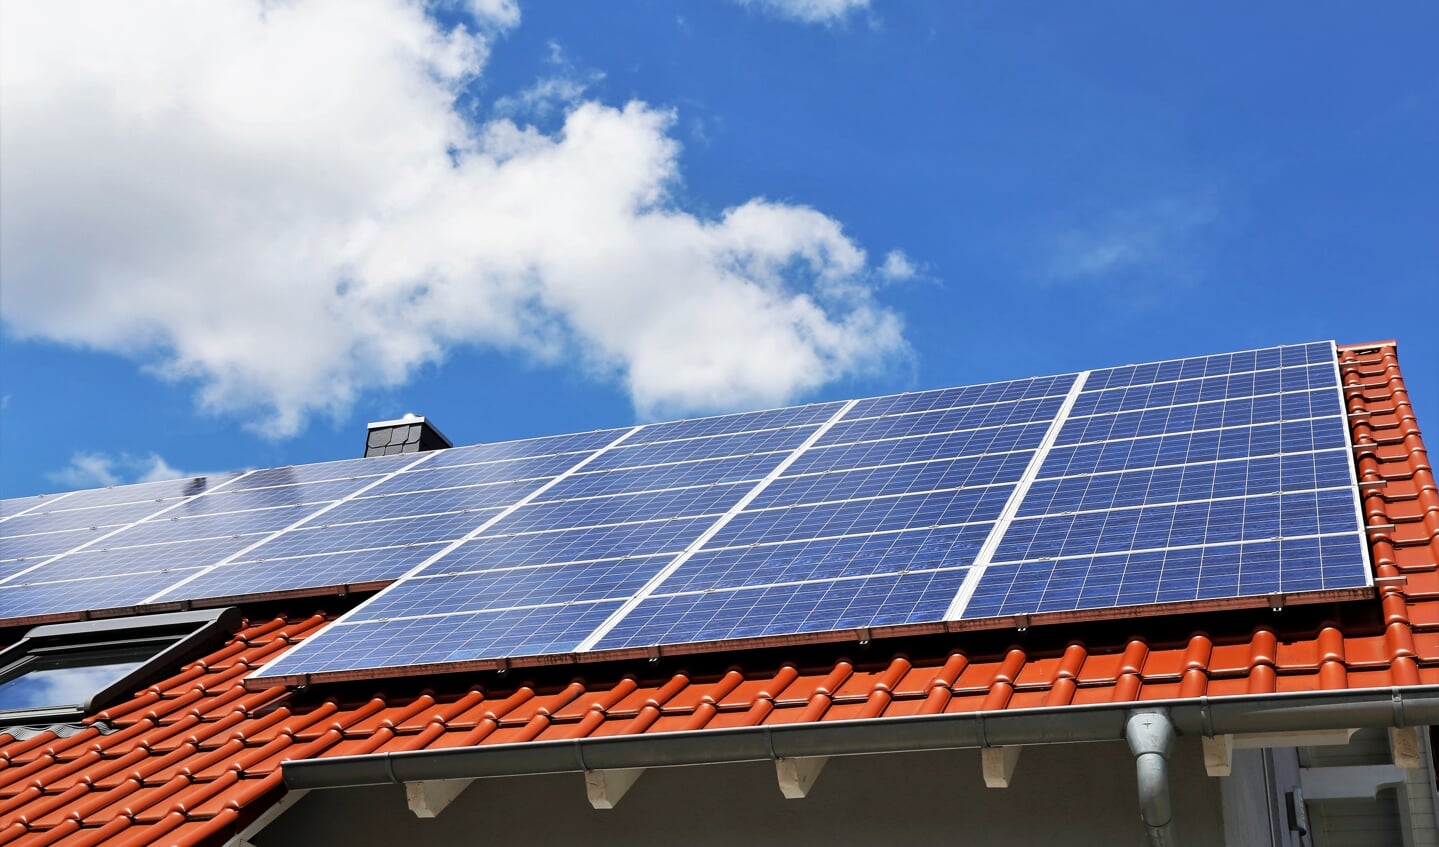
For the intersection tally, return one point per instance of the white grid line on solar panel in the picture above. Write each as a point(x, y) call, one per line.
point(514, 589)
point(827, 580)
point(1301, 434)
point(1229, 401)
point(891, 451)
point(945, 420)
point(301, 494)
point(1272, 408)
point(115, 561)
point(318, 570)
point(425, 616)
point(1279, 471)
point(225, 502)
point(1028, 388)
point(705, 447)
point(714, 529)
point(88, 578)
point(28, 548)
point(748, 468)
point(457, 476)
point(1161, 548)
point(1265, 358)
point(449, 639)
point(1240, 569)
point(553, 517)
point(161, 511)
point(577, 444)
point(1110, 509)
point(1202, 389)
point(1097, 385)
point(108, 592)
point(1349, 449)
point(895, 478)
point(317, 644)
point(440, 501)
point(1011, 504)
point(790, 610)
point(909, 511)
point(1183, 462)
point(571, 546)
point(412, 461)
point(8, 506)
point(953, 400)
point(226, 524)
point(362, 535)
point(690, 501)
point(898, 550)
point(337, 469)
point(739, 422)
point(151, 492)
point(1248, 517)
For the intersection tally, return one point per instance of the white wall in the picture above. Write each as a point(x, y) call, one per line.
point(1071, 794)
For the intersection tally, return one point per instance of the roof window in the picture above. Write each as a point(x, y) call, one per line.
point(63, 672)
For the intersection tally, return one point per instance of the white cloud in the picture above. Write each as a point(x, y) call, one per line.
point(96, 470)
point(282, 203)
point(1159, 238)
point(562, 90)
point(808, 11)
point(897, 266)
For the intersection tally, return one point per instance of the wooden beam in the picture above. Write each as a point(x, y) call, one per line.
point(606, 788)
point(1407, 747)
point(1298, 738)
point(430, 797)
point(998, 765)
point(797, 776)
point(1218, 754)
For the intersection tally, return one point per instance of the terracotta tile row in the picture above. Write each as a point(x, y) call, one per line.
point(194, 759)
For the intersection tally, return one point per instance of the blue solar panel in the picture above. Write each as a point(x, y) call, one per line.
point(784, 610)
point(356, 567)
point(730, 424)
point(843, 557)
point(94, 517)
point(104, 561)
point(669, 535)
point(1210, 478)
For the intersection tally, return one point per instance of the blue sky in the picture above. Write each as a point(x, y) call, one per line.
point(229, 238)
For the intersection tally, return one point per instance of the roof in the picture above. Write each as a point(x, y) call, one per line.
point(196, 758)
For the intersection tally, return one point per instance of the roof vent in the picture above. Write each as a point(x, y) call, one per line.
point(410, 434)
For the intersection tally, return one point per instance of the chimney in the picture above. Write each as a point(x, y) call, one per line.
point(410, 434)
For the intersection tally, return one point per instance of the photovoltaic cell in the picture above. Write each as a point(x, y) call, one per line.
point(1207, 478)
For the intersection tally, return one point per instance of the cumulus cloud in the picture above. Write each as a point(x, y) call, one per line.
point(897, 266)
point(808, 11)
point(281, 203)
point(95, 470)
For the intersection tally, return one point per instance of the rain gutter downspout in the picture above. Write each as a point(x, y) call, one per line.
point(1151, 739)
point(1300, 711)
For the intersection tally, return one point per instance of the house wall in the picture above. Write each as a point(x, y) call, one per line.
point(1080, 794)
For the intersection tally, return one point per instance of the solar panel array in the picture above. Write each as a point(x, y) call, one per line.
point(1206, 479)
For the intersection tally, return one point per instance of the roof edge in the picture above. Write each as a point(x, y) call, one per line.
point(1374, 707)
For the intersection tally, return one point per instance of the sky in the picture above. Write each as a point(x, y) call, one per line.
point(232, 233)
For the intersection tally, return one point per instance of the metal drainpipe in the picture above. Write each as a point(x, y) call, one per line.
point(1151, 739)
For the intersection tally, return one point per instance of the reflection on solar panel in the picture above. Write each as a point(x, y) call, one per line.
point(1219, 480)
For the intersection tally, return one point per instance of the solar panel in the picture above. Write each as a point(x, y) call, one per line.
point(1217, 479)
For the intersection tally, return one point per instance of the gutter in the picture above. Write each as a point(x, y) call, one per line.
point(1300, 711)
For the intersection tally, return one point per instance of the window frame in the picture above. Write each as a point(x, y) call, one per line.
point(180, 637)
